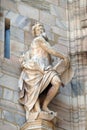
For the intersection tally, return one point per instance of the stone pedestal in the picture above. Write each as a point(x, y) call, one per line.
point(39, 124)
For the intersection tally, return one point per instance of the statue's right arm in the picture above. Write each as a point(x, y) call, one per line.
point(46, 46)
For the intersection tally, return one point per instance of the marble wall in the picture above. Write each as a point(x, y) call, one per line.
point(62, 21)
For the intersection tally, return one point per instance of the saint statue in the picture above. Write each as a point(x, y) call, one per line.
point(38, 73)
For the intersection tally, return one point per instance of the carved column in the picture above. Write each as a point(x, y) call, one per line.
point(39, 124)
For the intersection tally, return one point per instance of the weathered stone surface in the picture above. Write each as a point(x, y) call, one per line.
point(47, 27)
point(38, 125)
point(21, 21)
point(8, 126)
point(9, 116)
point(62, 24)
point(0, 113)
point(1, 92)
point(19, 119)
point(7, 105)
point(28, 11)
point(59, 31)
point(59, 12)
point(10, 15)
point(55, 2)
point(1, 31)
point(1, 48)
point(60, 48)
point(20, 108)
point(63, 99)
point(17, 20)
point(17, 48)
point(12, 107)
point(39, 4)
point(63, 41)
point(11, 66)
point(17, 34)
point(9, 5)
point(47, 18)
point(11, 83)
point(8, 94)
point(28, 37)
point(63, 3)
point(15, 96)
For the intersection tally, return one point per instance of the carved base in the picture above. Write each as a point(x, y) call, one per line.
point(41, 115)
point(38, 125)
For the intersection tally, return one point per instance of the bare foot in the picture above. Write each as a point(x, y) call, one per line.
point(46, 109)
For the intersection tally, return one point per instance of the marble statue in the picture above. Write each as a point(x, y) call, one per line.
point(39, 80)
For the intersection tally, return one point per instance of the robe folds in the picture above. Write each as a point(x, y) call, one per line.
point(33, 80)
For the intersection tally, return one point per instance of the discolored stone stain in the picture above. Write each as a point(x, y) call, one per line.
point(77, 87)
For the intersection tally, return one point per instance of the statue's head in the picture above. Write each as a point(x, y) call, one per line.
point(37, 29)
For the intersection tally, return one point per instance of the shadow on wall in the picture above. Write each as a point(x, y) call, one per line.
point(77, 87)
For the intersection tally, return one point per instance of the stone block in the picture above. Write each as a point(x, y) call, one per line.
point(39, 4)
point(1, 31)
point(8, 126)
point(63, 99)
point(21, 22)
point(17, 48)
point(9, 5)
point(0, 113)
point(55, 2)
point(11, 66)
point(59, 31)
point(83, 3)
point(59, 12)
point(1, 48)
point(81, 101)
point(20, 108)
point(66, 90)
point(15, 96)
point(50, 35)
point(47, 27)
point(63, 3)
point(28, 38)
point(8, 105)
point(13, 107)
point(28, 11)
point(17, 34)
point(19, 119)
point(9, 82)
point(1, 92)
point(62, 24)
point(47, 18)
point(38, 125)
point(60, 48)
point(9, 14)
point(9, 116)
point(8, 94)
point(18, 20)
point(63, 41)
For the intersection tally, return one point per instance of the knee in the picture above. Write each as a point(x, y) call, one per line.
point(56, 81)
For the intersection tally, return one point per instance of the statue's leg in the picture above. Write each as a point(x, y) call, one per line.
point(51, 93)
point(37, 106)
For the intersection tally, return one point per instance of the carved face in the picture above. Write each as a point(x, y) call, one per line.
point(37, 29)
